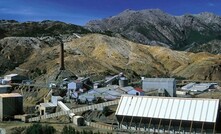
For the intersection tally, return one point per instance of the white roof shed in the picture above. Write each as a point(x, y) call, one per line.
point(191, 109)
point(152, 108)
point(198, 87)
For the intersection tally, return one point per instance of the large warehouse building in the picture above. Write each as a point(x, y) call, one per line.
point(10, 104)
point(168, 114)
point(166, 84)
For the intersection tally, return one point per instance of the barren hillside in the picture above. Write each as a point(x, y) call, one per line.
point(100, 55)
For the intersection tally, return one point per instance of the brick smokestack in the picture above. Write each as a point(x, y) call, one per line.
point(62, 55)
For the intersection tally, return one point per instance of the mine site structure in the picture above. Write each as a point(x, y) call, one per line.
point(110, 80)
point(132, 106)
point(61, 53)
point(122, 81)
point(133, 103)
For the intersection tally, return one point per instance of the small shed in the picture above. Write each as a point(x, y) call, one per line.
point(10, 104)
point(168, 84)
point(5, 88)
point(46, 108)
point(132, 91)
point(139, 91)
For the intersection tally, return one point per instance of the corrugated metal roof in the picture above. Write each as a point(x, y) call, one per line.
point(159, 79)
point(47, 104)
point(197, 87)
point(113, 93)
point(190, 109)
point(188, 86)
point(127, 89)
point(10, 95)
point(104, 89)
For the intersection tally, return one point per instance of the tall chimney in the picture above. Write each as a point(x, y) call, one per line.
point(62, 55)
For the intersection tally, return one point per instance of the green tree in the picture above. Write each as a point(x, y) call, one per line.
point(68, 130)
point(39, 129)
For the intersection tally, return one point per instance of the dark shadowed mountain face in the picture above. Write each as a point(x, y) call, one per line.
point(213, 47)
point(33, 29)
point(155, 27)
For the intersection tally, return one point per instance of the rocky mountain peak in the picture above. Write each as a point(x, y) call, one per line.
point(209, 18)
point(154, 25)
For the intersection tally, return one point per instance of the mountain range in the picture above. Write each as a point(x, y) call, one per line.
point(138, 43)
point(10, 28)
point(155, 27)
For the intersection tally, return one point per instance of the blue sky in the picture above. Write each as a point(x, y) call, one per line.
point(81, 11)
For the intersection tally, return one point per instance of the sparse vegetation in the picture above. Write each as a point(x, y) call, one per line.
point(72, 130)
point(18, 130)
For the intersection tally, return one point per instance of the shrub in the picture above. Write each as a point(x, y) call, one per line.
point(68, 130)
point(107, 111)
point(40, 129)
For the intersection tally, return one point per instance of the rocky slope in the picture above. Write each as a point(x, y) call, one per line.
point(213, 47)
point(155, 27)
point(97, 54)
point(34, 29)
point(15, 50)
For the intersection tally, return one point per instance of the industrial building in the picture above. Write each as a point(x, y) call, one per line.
point(168, 114)
point(48, 107)
point(108, 93)
point(13, 78)
point(10, 104)
point(132, 91)
point(168, 85)
point(75, 85)
point(5, 88)
point(199, 87)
